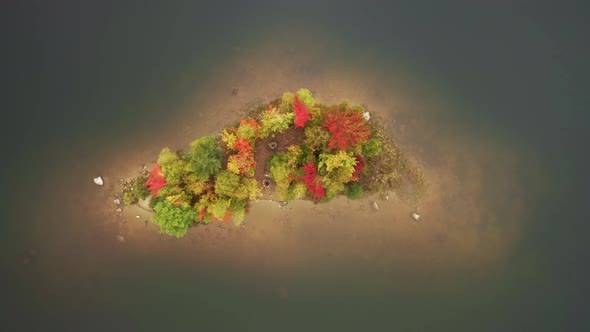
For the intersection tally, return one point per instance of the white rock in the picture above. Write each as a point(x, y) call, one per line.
point(415, 216)
point(99, 181)
point(375, 206)
point(119, 210)
point(120, 238)
point(117, 201)
point(137, 217)
point(367, 116)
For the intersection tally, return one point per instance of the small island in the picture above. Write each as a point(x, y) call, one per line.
point(293, 148)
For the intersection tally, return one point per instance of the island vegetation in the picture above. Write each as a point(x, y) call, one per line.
point(294, 147)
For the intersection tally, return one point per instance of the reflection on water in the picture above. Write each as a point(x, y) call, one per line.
point(340, 263)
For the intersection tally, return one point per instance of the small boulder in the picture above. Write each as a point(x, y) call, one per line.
point(117, 201)
point(415, 216)
point(375, 206)
point(99, 181)
point(121, 238)
point(367, 116)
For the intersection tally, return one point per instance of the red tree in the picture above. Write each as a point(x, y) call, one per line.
point(358, 168)
point(156, 180)
point(242, 146)
point(348, 128)
point(313, 181)
point(301, 113)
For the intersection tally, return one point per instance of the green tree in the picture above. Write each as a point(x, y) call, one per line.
point(173, 220)
point(172, 166)
point(281, 172)
point(287, 101)
point(219, 207)
point(235, 186)
point(205, 157)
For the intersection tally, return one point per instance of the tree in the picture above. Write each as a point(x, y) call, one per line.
point(281, 170)
point(274, 122)
point(316, 138)
point(219, 208)
point(358, 168)
point(155, 180)
point(347, 128)
point(172, 166)
point(234, 186)
point(205, 157)
point(305, 97)
point(242, 164)
point(173, 220)
point(302, 114)
point(313, 181)
point(248, 129)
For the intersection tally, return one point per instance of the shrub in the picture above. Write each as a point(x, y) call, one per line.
point(287, 102)
point(205, 157)
point(238, 211)
point(173, 220)
point(371, 148)
point(353, 190)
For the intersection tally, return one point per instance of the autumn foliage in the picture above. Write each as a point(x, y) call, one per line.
point(347, 128)
point(156, 180)
point(313, 181)
point(302, 114)
point(243, 161)
point(358, 168)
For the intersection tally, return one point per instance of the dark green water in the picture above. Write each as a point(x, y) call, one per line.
point(84, 78)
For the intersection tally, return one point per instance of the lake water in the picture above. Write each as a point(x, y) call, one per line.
point(488, 101)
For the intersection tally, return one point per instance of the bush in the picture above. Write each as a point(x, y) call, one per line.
point(173, 220)
point(137, 190)
point(353, 190)
point(205, 157)
point(238, 211)
point(371, 148)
